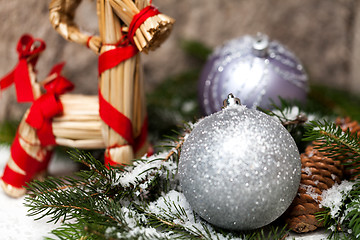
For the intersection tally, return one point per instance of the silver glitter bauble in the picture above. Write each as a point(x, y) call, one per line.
point(239, 168)
point(256, 70)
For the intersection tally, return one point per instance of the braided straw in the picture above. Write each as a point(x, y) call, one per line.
point(318, 174)
point(150, 34)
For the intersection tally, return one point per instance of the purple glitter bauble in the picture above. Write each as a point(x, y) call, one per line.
point(254, 69)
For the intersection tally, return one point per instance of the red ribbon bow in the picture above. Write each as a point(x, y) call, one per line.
point(28, 49)
point(49, 105)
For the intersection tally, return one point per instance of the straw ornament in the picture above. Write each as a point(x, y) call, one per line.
point(116, 119)
point(125, 28)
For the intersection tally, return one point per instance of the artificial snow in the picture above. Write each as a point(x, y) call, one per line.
point(145, 170)
point(307, 170)
point(293, 112)
point(334, 196)
point(131, 218)
point(319, 234)
point(143, 233)
point(310, 190)
point(174, 207)
point(14, 222)
point(290, 113)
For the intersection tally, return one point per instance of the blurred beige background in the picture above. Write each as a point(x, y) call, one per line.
point(325, 35)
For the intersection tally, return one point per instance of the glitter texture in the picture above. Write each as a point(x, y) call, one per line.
point(252, 76)
point(239, 168)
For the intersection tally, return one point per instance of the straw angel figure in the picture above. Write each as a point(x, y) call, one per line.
point(126, 27)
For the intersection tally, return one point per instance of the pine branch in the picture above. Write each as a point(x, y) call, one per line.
point(167, 214)
point(74, 204)
point(329, 134)
point(98, 172)
point(97, 195)
point(176, 149)
point(68, 231)
point(334, 142)
point(114, 203)
point(279, 233)
point(180, 231)
point(87, 194)
point(351, 211)
point(344, 223)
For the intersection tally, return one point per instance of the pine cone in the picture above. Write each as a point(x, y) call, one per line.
point(347, 123)
point(318, 174)
point(354, 128)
